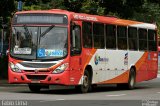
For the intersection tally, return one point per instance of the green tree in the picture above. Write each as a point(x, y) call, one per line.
point(92, 7)
point(7, 8)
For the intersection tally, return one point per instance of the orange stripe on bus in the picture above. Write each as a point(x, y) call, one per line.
point(126, 22)
point(123, 78)
point(89, 57)
point(141, 61)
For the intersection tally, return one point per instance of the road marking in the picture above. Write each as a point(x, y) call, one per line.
point(46, 100)
point(116, 95)
point(51, 100)
point(60, 99)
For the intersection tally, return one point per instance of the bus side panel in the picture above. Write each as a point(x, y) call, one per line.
point(75, 69)
point(141, 67)
point(152, 65)
point(114, 72)
point(117, 65)
point(78, 65)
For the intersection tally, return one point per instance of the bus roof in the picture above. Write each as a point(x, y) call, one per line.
point(96, 18)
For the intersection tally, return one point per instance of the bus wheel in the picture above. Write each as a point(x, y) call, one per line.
point(84, 88)
point(132, 79)
point(34, 88)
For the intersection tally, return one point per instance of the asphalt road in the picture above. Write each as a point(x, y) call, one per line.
point(102, 95)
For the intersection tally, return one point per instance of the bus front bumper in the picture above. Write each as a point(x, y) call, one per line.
point(39, 78)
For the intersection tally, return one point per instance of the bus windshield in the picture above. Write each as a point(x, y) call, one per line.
point(39, 42)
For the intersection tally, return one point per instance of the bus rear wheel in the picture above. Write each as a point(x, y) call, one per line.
point(131, 81)
point(34, 88)
point(86, 85)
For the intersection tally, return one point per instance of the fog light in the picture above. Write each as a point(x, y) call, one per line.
point(22, 77)
point(49, 79)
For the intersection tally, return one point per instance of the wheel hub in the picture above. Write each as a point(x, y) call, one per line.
point(85, 81)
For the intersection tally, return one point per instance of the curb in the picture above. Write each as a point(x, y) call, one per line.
point(5, 83)
point(12, 85)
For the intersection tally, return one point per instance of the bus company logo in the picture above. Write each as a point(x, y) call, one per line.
point(36, 71)
point(98, 59)
point(126, 59)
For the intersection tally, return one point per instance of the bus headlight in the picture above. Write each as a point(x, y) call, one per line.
point(60, 69)
point(14, 67)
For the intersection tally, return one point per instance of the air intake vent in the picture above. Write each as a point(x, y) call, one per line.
point(37, 65)
point(36, 77)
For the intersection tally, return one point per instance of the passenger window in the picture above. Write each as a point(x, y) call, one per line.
point(98, 34)
point(122, 37)
point(132, 38)
point(110, 36)
point(87, 34)
point(152, 40)
point(142, 34)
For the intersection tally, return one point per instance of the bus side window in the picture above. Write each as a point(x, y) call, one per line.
point(152, 41)
point(122, 37)
point(98, 35)
point(142, 34)
point(87, 34)
point(75, 40)
point(132, 38)
point(110, 36)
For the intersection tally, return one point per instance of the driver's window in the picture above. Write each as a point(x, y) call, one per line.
point(75, 40)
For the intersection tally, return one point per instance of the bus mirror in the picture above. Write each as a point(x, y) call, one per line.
point(7, 52)
point(75, 51)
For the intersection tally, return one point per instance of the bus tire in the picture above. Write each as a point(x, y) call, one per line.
point(34, 88)
point(86, 85)
point(132, 79)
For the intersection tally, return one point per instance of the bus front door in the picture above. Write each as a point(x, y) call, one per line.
point(75, 54)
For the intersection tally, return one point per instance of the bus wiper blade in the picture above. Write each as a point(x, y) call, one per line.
point(27, 31)
point(46, 31)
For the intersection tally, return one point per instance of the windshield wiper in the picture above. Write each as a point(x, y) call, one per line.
point(27, 31)
point(46, 31)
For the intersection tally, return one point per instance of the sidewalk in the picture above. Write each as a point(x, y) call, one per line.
point(5, 83)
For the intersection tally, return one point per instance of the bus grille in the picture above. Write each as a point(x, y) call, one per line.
point(36, 77)
point(41, 71)
point(37, 65)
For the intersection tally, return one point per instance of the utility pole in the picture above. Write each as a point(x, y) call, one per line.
point(1, 51)
point(3, 28)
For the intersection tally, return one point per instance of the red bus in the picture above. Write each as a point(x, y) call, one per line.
point(50, 47)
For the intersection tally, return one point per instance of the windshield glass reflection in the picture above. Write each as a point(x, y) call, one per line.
point(39, 42)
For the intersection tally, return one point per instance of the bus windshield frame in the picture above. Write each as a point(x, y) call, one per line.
point(40, 18)
point(47, 41)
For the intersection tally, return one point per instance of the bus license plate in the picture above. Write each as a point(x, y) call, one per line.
point(35, 82)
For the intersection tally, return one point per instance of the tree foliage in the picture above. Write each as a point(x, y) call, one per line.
point(7, 8)
point(140, 10)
